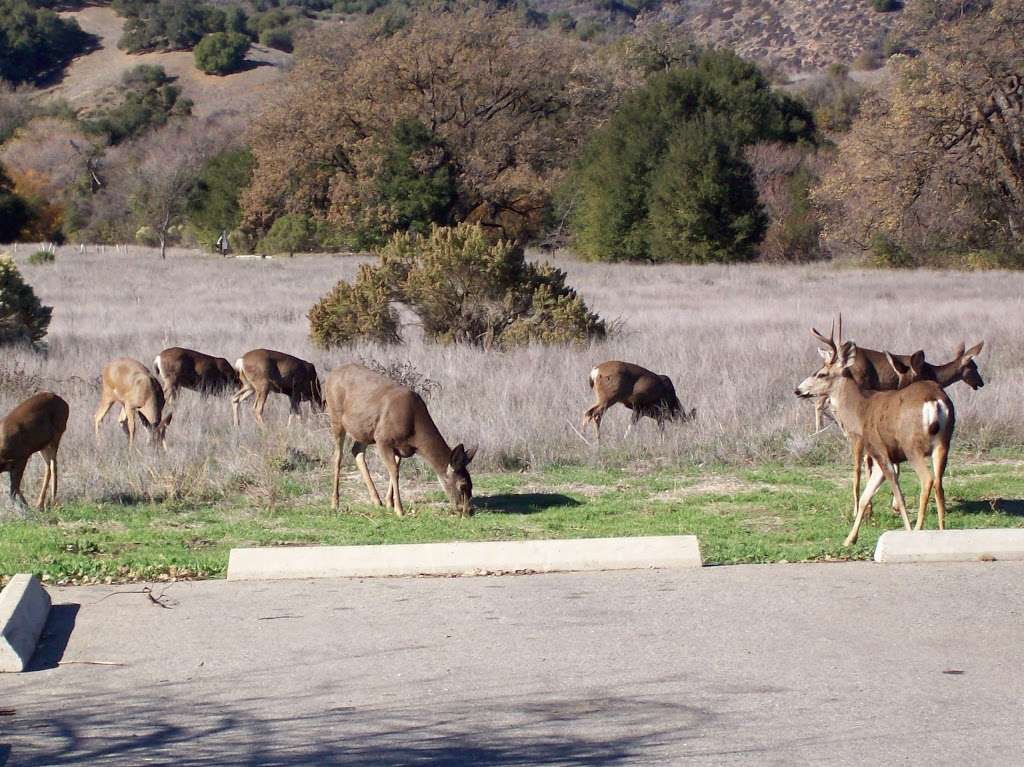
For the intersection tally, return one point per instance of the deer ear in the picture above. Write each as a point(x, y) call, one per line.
point(917, 360)
point(973, 352)
point(458, 459)
point(471, 454)
point(848, 353)
point(959, 351)
point(826, 354)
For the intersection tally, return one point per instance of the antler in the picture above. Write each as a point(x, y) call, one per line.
point(839, 340)
point(830, 342)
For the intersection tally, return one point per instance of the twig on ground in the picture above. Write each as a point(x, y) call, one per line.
point(90, 663)
point(579, 433)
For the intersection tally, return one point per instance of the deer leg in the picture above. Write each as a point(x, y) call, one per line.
point(41, 501)
point(896, 473)
point(389, 499)
point(17, 471)
point(869, 463)
point(295, 409)
point(870, 488)
point(239, 396)
point(359, 451)
point(924, 476)
point(939, 457)
point(258, 404)
point(339, 443)
point(857, 448)
point(897, 494)
point(129, 415)
point(387, 455)
point(101, 413)
point(594, 414)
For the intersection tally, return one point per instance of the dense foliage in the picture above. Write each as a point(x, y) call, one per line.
point(35, 42)
point(23, 318)
point(167, 24)
point(665, 178)
point(14, 212)
point(463, 288)
point(213, 204)
point(221, 53)
point(150, 100)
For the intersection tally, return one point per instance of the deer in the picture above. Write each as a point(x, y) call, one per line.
point(262, 371)
point(186, 368)
point(34, 426)
point(128, 383)
point(882, 370)
point(889, 427)
point(641, 391)
point(374, 410)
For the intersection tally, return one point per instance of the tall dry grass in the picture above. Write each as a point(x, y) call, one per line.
point(734, 339)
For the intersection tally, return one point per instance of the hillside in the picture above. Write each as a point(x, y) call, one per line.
point(95, 78)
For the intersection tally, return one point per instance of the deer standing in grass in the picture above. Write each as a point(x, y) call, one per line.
point(884, 371)
point(262, 371)
point(186, 368)
point(641, 391)
point(129, 383)
point(34, 426)
point(374, 410)
point(890, 427)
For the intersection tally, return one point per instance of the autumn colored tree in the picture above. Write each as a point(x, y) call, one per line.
point(503, 107)
point(936, 164)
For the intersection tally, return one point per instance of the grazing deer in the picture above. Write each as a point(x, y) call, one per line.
point(129, 383)
point(882, 371)
point(910, 424)
point(185, 368)
point(373, 409)
point(34, 426)
point(643, 392)
point(262, 371)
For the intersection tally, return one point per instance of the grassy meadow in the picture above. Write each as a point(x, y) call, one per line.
point(748, 476)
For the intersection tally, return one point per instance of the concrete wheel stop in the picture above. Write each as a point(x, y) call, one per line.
point(24, 607)
point(979, 545)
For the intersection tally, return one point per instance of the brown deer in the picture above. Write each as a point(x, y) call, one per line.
point(910, 424)
point(34, 426)
point(641, 391)
point(129, 383)
point(882, 371)
point(373, 409)
point(262, 371)
point(185, 368)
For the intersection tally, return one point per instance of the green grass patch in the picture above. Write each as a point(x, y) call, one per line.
point(770, 513)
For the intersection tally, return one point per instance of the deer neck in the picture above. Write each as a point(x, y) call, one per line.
point(433, 447)
point(948, 373)
point(848, 403)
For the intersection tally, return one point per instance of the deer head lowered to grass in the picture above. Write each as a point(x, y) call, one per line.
point(129, 383)
point(910, 424)
point(641, 391)
point(374, 410)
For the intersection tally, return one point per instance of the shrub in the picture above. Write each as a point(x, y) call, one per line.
point(23, 318)
point(291, 234)
point(279, 38)
point(42, 257)
point(36, 42)
point(167, 24)
point(221, 53)
point(886, 6)
point(213, 203)
point(885, 253)
point(150, 101)
point(14, 211)
point(463, 288)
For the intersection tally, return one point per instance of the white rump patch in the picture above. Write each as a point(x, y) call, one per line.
point(934, 412)
point(593, 375)
point(239, 366)
point(156, 364)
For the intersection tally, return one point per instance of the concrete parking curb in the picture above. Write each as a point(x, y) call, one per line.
point(24, 606)
point(950, 545)
point(464, 558)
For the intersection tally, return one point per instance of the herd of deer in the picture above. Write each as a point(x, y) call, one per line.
point(892, 408)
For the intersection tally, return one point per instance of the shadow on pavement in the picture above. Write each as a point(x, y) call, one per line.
point(1012, 507)
point(54, 639)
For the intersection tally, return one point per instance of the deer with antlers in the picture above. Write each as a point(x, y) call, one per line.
point(262, 371)
point(884, 371)
point(129, 383)
point(638, 389)
point(34, 426)
point(374, 410)
point(889, 427)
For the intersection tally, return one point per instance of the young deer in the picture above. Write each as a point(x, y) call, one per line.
point(373, 409)
point(883, 371)
point(185, 368)
point(129, 383)
point(262, 371)
point(643, 392)
point(910, 424)
point(34, 426)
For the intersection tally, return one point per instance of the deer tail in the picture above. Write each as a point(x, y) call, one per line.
point(934, 416)
point(593, 377)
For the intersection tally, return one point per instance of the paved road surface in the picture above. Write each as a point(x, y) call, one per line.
point(780, 665)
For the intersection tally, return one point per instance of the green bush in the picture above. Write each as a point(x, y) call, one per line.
point(885, 253)
point(886, 6)
point(36, 42)
point(150, 100)
point(213, 204)
point(704, 205)
point(463, 289)
point(167, 24)
point(23, 318)
point(279, 38)
point(721, 95)
point(42, 257)
point(296, 233)
point(221, 53)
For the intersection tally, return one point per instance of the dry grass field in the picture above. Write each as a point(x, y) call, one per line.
point(734, 339)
